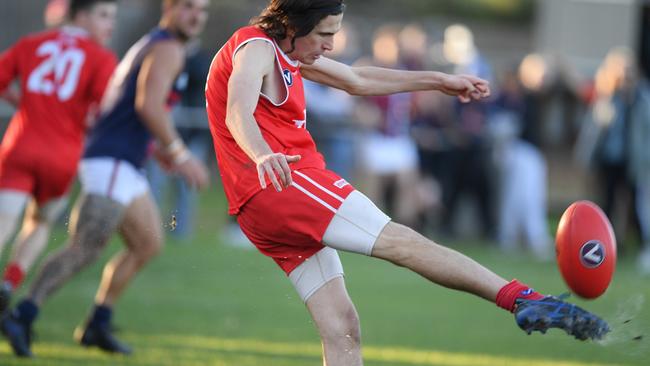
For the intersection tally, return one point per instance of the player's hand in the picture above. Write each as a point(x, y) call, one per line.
point(276, 168)
point(194, 172)
point(465, 87)
point(165, 161)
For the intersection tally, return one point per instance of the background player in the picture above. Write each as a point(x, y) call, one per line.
point(115, 193)
point(258, 119)
point(62, 73)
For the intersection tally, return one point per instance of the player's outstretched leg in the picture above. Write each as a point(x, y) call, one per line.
point(338, 324)
point(143, 237)
point(405, 247)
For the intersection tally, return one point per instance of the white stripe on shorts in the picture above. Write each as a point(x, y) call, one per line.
point(319, 186)
point(303, 190)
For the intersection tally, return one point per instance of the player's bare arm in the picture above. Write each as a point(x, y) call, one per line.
point(157, 75)
point(369, 80)
point(253, 66)
point(159, 70)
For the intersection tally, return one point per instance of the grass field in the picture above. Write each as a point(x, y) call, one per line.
point(205, 303)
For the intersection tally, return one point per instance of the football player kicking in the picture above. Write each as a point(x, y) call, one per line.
point(62, 72)
point(257, 114)
point(115, 194)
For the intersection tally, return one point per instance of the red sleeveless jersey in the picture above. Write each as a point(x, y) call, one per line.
point(61, 72)
point(283, 125)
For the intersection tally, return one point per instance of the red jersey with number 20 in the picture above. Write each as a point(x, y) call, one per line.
point(282, 123)
point(62, 72)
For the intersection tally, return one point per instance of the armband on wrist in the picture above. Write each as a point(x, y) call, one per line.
point(175, 147)
point(181, 156)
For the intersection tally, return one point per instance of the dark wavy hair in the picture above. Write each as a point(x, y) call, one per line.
point(299, 16)
point(76, 6)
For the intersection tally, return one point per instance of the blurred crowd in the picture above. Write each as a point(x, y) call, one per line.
point(481, 169)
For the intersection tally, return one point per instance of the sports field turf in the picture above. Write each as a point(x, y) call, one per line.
point(205, 303)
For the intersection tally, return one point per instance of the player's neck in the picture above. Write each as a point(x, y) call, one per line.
point(75, 28)
point(286, 47)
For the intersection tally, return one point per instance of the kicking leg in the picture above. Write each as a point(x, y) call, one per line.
point(405, 247)
point(358, 226)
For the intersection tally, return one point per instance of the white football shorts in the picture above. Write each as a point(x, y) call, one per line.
point(112, 178)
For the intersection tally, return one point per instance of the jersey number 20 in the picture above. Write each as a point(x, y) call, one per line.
point(58, 73)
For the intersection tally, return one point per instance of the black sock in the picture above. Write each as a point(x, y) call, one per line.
point(26, 311)
point(101, 316)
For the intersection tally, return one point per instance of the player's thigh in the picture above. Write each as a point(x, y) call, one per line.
point(315, 272)
point(356, 226)
point(17, 180)
point(16, 183)
point(140, 226)
point(120, 183)
point(12, 204)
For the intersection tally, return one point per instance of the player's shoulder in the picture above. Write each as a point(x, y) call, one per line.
point(250, 31)
point(41, 35)
point(98, 51)
point(258, 52)
point(253, 37)
point(168, 47)
point(249, 34)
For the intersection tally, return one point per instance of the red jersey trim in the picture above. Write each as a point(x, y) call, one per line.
point(279, 67)
point(291, 62)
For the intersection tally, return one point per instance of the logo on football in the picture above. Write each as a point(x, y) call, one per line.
point(586, 249)
point(592, 254)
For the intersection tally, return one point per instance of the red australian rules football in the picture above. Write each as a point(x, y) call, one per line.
point(586, 249)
